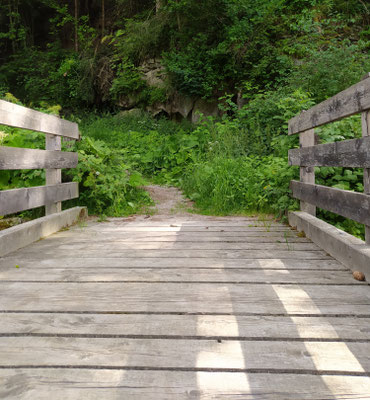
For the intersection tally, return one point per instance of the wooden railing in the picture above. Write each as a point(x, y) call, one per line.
point(349, 153)
point(52, 159)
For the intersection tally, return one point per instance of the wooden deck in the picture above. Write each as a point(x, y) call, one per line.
point(181, 308)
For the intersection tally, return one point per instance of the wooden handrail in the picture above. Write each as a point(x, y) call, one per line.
point(348, 153)
point(52, 159)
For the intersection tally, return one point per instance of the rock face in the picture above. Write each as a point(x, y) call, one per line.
point(178, 106)
point(206, 108)
point(153, 73)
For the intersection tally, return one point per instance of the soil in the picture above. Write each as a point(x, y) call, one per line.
point(168, 200)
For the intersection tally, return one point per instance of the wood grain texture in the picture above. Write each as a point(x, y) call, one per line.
point(108, 305)
point(101, 263)
point(53, 175)
point(205, 326)
point(189, 254)
point(184, 353)
point(348, 153)
point(148, 245)
point(14, 200)
point(109, 274)
point(365, 120)
point(22, 117)
point(307, 174)
point(355, 99)
point(72, 384)
point(348, 204)
point(13, 158)
point(185, 297)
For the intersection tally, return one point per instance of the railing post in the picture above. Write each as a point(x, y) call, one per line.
point(366, 132)
point(53, 176)
point(307, 174)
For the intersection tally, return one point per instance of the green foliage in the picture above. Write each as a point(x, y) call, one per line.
point(327, 72)
point(108, 186)
point(239, 185)
point(128, 80)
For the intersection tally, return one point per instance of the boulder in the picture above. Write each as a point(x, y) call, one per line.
point(205, 107)
point(127, 102)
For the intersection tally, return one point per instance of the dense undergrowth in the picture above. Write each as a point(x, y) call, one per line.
point(276, 57)
point(224, 165)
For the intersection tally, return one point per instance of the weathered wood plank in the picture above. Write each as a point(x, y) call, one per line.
point(33, 253)
point(14, 200)
point(185, 297)
point(307, 174)
point(174, 263)
point(43, 384)
point(350, 328)
point(13, 158)
point(64, 238)
point(153, 229)
point(348, 153)
point(25, 118)
point(183, 353)
point(108, 274)
point(348, 102)
point(349, 204)
point(53, 175)
point(365, 118)
point(190, 246)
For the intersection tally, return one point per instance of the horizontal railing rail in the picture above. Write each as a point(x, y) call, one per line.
point(52, 159)
point(354, 153)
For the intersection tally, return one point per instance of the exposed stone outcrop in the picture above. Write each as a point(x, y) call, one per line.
point(178, 106)
point(205, 107)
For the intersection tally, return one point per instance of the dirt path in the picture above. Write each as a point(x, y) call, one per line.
point(168, 200)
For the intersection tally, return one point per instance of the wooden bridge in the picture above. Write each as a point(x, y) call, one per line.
point(187, 307)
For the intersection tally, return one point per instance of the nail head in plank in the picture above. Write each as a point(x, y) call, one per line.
point(182, 353)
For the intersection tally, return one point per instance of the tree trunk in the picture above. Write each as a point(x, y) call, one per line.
point(102, 17)
point(158, 5)
point(76, 25)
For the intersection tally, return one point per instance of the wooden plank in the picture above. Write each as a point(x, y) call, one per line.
point(48, 263)
point(181, 229)
point(307, 174)
point(16, 158)
point(183, 353)
point(25, 118)
point(108, 274)
point(349, 204)
point(366, 135)
point(53, 175)
point(34, 253)
point(186, 326)
point(353, 100)
point(14, 200)
point(145, 238)
point(43, 384)
point(185, 297)
point(190, 246)
point(348, 153)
